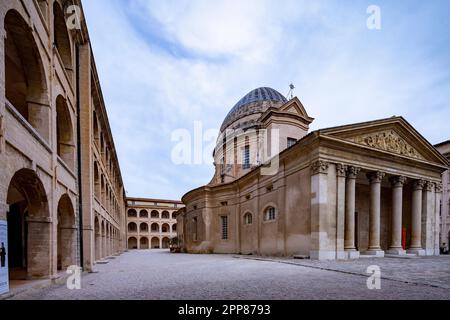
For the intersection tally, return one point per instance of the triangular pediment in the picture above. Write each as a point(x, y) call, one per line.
point(394, 135)
point(294, 106)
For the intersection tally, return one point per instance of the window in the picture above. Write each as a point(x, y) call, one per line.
point(291, 142)
point(224, 220)
point(248, 219)
point(246, 158)
point(270, 214)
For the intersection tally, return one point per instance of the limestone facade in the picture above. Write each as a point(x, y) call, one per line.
point(51, 112)
point(151, 223)
point(370, 188)
point(444, 148)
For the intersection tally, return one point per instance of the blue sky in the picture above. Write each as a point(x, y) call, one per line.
point(165, 64)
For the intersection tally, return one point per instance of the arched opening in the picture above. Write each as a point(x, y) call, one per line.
point(155, 214)
point(132, 213)
point(132, 243)
point(62, 39)
point(96, 130)
point(25, 84)
point(64, 133)
point(67, 236)
point(155, 243)
point(103, 239)
point(174, 216)
point(165, 243)
point(165, 215)
point(97, 187)
point(144, 243)
point(98, 236)
point(165, 228)
point(143, 214)
point(143, 227)
point(132, 227)
point(155, 227)
point(270, 214)
point(28, 233)
point(174, 227)
point(248, 218)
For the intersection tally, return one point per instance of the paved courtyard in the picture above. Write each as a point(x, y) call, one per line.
point(161, 275)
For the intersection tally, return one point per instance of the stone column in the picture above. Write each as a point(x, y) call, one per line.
point(416, 219)
point(396, 216)
point(437, 226)
point(340, 211)
point(375, 179)
point(349, 242)
point(428, 217)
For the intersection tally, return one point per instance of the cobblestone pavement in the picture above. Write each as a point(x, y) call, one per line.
point(161, 275)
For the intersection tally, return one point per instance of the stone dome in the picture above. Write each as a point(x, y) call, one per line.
point(256, 101)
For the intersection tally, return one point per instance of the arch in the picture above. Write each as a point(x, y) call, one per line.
point(62, 39)
point(143, 213)
point(95, 124)
point(174, 215)
point(132, 243)
point(165, 243)
point(97, 186)
point(270, 213)
point(25, 80)
point(132, 227)
point(165, 228)
point(64, 133)
point(154, 214)
point(66, 236)
point(132, 213)
point(174, 227)
point(28, 233)
point(154, 227)
point(143, 243)
point(165, 215)
point(248, 218)
point(97, 229)
point(155, 243)
point(103, 238)
point(143, 227)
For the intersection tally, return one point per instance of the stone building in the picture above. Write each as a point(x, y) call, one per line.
point(444, 148)
point(151, 222)
point(367, 188)
point(59, 172)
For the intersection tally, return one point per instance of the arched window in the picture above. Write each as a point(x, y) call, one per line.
point(143, 227)
point(64, 133)
point(248, 218)
point(155, 227)
point(174, 216)
point(174, 227)
point(143, 214)
point(62, 39)
point(155, 214)
point(165, 215)
point(132, 213)
point(270, 214)
point(165, 228)
point(132, 227)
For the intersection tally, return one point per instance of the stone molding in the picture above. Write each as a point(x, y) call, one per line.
point(419, 184)
point(319, 167)
point(352, 172)
point(429, 186)
point(341, 170)
point(398, 181)
point(375, 177)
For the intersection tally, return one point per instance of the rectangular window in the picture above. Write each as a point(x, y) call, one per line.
point(224, 220)
point(291, 142)
point(246, 158)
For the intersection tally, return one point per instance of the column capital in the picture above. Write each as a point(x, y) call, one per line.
point(429, 186)
point(398, 181)
point(438, 187)
point(375, 177)
point(319, 166)
point(340, 170)
point(352, 172)
point(419, 184)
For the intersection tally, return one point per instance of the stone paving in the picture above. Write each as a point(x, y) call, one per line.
point(162, 275)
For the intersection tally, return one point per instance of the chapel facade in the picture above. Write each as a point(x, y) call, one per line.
point(371, 188)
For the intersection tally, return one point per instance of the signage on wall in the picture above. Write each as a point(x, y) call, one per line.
point(4, 275)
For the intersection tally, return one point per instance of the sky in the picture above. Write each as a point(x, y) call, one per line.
point(166, 65)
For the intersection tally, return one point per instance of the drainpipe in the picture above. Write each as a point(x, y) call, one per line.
point(80, 192)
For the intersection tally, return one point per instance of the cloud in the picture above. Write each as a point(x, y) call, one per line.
point(165, 64)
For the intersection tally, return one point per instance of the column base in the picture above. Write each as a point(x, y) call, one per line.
point(352, 254)
point(374, 253)
point(396, 252)
point(417, 251)
point(322, 255)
